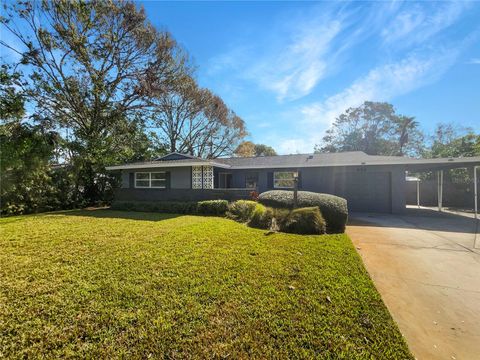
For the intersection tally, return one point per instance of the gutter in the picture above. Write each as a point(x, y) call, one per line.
point(158, 164)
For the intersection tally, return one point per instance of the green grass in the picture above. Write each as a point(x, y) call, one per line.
point(110, 284)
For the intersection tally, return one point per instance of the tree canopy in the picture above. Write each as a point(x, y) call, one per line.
point(99, 74)
point(376, 129)
point(249, 149)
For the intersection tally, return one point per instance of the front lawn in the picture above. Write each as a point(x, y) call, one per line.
point(103, 284)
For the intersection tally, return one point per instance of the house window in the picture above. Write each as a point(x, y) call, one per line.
point(284, 179)
point(251, 181)
point(150, 180)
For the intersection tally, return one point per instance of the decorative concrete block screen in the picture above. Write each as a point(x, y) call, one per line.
point(208, 177)
point(196, 177)
point(202, 177)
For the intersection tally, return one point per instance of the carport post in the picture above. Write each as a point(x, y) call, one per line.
point(475, 190)
point(418, 194)
point(440, 189)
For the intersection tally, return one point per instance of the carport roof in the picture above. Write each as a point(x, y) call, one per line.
point(352, 158)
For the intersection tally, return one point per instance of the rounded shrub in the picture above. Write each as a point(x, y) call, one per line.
point(307, 220)
point(261, 217)
point(241, 210)
point(333, 208)
point(212, 207)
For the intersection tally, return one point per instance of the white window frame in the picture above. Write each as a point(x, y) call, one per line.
point(283, 172)
point(150, 180)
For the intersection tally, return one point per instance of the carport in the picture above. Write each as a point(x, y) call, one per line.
point(379, 184)
point(438, 166)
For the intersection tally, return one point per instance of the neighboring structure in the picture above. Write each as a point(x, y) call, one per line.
point(369, 183)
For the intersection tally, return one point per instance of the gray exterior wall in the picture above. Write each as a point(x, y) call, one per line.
point(180, 177)
point(366, 188)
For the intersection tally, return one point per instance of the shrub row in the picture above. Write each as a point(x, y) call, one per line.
point(333, 208)
point(298, 221)
point(208, 207)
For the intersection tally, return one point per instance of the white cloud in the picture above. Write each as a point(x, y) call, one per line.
point(419, 22)
point(381, 84)
point(294, 56)
point(294, 70)
point(474, 61)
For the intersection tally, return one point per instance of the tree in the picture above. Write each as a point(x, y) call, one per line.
point(25, 152)
point(196, 121)
point(449, 141)
point(12, 102)
point(245, 149)
point(264, 150)
point(248, 149)
point(452, 141)
point(374, 128)
point(93, 67)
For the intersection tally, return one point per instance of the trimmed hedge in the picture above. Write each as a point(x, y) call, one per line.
point(241, 210)
point(174, 207)
point(212, 207)
point(261, 217)
point(307, 220)
point(333, 208)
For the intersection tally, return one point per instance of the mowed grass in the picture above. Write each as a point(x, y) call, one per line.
point(111, 284)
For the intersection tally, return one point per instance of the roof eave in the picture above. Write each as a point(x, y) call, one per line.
point(163, 165)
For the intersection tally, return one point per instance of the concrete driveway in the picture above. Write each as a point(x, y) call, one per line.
point(426, 266)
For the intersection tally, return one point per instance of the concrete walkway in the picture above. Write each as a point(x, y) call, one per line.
point(426, 266)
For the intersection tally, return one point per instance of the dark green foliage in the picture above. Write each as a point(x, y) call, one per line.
point(26, 185)
point(306, 220)
point(261, 217)
point(333, 208)
point(212, 207)
point(172, 207)
point(241, 210)
point(12, 101)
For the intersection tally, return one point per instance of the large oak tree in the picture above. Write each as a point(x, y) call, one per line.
point(92, 68)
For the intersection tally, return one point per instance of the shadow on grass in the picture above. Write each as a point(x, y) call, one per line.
point(424, 219)
point(106, 213)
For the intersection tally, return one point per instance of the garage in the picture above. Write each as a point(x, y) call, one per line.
point(365, 191)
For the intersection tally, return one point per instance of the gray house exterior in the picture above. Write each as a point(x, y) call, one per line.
point(369, 183)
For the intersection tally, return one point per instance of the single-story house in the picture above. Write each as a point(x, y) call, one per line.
point(369, 183)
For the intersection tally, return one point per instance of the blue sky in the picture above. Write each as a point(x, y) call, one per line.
point(288, 68)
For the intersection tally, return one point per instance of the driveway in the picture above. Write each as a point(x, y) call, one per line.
point(426, 266)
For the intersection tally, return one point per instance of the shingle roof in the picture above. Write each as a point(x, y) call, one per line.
point(305, 160)
point(352, 158)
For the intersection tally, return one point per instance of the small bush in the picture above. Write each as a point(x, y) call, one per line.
point(254, 195)
point(241, 210)
point(261, 217)
point(333, 208)
point(307, 220)
point(212, 207)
